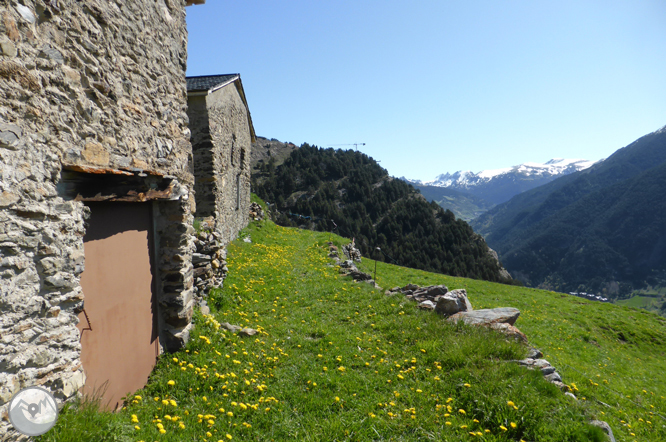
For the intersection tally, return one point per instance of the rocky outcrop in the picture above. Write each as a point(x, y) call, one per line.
point(502, 315)
point(455, 306)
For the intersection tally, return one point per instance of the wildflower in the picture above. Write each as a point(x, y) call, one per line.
point(503, 428)
point(467, 385)
point(136, 427)
point(138, 398)
point(513, 425)
point(461, 411)
point(448, 423)
point(171, 382)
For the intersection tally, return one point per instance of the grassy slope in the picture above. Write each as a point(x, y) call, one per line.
point(337, 360)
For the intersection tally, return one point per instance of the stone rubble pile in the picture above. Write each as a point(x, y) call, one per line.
point(351, 252)
point(209, 261)
point(244, 332)
point(455, 306)
point(348, 267)
point(256, 212)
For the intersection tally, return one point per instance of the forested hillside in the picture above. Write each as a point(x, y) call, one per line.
point(349, 193)
point(598, 230)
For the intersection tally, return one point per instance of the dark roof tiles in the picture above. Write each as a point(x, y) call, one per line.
point(208, 82)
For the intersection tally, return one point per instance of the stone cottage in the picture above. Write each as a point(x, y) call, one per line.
point(96, 194)
point(222, 134)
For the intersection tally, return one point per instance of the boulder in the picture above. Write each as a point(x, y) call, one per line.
point(247, 332)
point(231, 328)
point(427, 305)
point(453, 302)
point(509, 330)
point(604, 426)
point(507, 315)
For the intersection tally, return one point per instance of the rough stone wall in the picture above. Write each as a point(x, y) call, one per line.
point(99, 83)
point(226, 140)
point(202, 150)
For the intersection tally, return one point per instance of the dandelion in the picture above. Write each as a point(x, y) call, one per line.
point(171, 382)
point(503, 428)
point(461, 411)
point(136, 427)
point(513, 425)
point(467, 385)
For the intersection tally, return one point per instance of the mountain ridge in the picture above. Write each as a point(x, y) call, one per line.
point(592, 229)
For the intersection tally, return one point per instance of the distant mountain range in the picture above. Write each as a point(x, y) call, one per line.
point(468, 194)
point(599, 230)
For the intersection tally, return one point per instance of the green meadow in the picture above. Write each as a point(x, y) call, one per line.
point(335, 360)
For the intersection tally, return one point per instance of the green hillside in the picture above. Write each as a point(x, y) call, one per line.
point(336, 360)
point(350, 193)
point(600, 230)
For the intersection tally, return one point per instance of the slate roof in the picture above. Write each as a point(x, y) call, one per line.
point(208, 82)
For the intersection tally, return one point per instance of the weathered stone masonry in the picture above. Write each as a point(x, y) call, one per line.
point(222, 134)
point(90, 91)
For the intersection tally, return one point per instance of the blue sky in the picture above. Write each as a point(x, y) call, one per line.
point(441, 86)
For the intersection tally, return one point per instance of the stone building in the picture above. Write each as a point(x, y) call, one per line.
point(222, 134)
point(96, 173)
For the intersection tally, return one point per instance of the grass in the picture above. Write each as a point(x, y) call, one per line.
point(336, 360)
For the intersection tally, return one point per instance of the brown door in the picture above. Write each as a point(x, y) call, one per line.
point(119, 352)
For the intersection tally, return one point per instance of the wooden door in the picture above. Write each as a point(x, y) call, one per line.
point(120, 351)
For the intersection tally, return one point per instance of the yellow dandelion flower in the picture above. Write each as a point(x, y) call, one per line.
point(171, 382)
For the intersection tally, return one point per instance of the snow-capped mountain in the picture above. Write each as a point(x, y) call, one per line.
point(464, 180)
point(499, 185)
